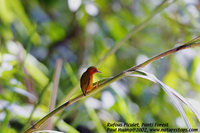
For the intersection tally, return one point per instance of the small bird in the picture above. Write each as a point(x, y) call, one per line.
point(87, 79)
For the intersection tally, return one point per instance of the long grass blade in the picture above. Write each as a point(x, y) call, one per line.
point(174, 96)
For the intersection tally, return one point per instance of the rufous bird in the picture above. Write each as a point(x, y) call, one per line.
point(87, 79)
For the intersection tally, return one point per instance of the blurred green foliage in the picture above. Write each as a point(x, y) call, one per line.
point(34, 34)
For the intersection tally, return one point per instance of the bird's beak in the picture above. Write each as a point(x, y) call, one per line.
point(98, 72)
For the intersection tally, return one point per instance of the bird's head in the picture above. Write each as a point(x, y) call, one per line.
point(93, 70)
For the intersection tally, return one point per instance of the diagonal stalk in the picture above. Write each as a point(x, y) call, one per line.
point(103, 83)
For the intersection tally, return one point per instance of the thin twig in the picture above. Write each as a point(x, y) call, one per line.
point(104, 83)
point(54, 91)
point(189, 44)
point(35, 106)
point(36, 126)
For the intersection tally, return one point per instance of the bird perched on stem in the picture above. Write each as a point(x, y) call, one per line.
point(87, 79)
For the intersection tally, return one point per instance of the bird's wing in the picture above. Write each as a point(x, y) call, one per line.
point(85, 80)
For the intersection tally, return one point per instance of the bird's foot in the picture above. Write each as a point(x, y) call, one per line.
point(96, 85)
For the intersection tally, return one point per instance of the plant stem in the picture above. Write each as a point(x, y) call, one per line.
point(35, 106)
point(36, 126)
point(185, 46)
point(54, 90)
point(106, 82)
